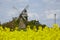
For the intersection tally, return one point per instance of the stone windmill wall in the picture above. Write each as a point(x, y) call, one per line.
point(23, 18)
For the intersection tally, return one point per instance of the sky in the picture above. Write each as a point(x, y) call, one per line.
point(41, 10)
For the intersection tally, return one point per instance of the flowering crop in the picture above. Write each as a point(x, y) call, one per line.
point(45, 34)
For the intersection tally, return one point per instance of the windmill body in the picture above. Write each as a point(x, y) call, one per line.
point(23, 18)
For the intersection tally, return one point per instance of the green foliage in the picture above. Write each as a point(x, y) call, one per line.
point(33, 23)
point(15, 23)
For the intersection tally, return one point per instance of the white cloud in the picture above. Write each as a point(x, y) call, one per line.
point(16, 0)
point(23, 0)
point(11, 13)
point(46, 0)
point(34, 5)
point(49, 1)
point(33, 16)
point(50, 14)
point(8, 0)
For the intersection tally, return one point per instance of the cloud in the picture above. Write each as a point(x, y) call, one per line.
point(23, 0)
point(8, 0)
point(46, 0)
point(50, 14)
point(16, 0)
point(11, 13)
point(33, 16)
point(49, 1)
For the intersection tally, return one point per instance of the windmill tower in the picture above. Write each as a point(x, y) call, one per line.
point(23, 18)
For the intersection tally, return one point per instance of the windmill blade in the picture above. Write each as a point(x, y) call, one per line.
point(16, 9)
point(26, 7)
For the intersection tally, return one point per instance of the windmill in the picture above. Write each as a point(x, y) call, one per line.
point(23, 18)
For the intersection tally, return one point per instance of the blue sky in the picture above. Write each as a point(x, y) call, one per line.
point(42, 10)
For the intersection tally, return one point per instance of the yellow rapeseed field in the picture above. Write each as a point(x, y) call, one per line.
point(52, 33)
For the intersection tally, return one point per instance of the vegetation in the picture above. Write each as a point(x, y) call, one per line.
point(45, 34)
point(15, 23)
